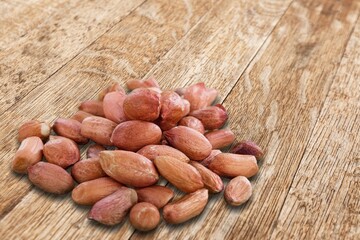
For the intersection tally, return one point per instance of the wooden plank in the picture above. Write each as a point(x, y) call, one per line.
point(323, 201)
point(276, 103)
point(156, 24)
point(28, 61)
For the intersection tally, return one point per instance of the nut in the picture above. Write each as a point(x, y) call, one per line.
point(98, 129)
point(248, 148)
point(157, 195)
point(189, 141)
point(209, 158)
point(172, 109)
point(211, 180)
point(87, 169)
point(136, 83)
point(113, 106)
point(61, 151)
point(135, 134)
point(197, 96)
point(50, 178)
point(212, 117)
point(220, 138)
point(233, 165)
point(238, 191)
point(80, 116)
point(144, 216)
point(94, 150)
point(29, 153)
point(187, 207)
point(192, 122)
point(153, 151)
point(113, 88)
point(212, 94)
point(112, 209)
point(88, 193)
point(69, 128)
point(142, 104)
point(129, 168)
point(182, 175)
point(34, 128)
point(93, 107)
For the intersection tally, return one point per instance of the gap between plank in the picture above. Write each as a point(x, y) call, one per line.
point(313, 128)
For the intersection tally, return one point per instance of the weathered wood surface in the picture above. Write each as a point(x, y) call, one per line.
point(287, 71)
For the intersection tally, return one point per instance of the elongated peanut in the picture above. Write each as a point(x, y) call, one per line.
point(113, 106)
point(87, 169)
point(238, 191)
point(144, 216)
point(233, 165)
point(112, 209)
point(212, 117)
point(135, 134)
point(93, 107)
point(189, 141)
point(98, 129)
point(29, 153)
point(186, 208)
point(113, 88)
point(157, 195)
point(88, 193)
point(247, 147)
point(211, 180)
point(192, 122)
point(182, 175)
point(61, 151)
point(153, 151)
point(80, 116)
point(69, 128)
point(50, 178)
point(34, 128)
point(172, 109)
point(220, 138)
point(206, 161)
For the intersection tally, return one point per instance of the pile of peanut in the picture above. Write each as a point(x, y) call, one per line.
point(138, 137)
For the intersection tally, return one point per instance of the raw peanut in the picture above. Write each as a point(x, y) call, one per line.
point(142, 104)
point(34, 128)
point(98, 129)
point(80, 116)
point(94, 150)
point(211, 180)
point(135, 134)
point(182, 175)
point(88, 193)
point(248, 148)
point(187, 107)
point(220, 138)
point(129, 168)
point(87, 169)
point(233, 165)
point(113, 88)
point(212, 117)
point(197, 96)
point(153, 151)
point(172, 109)
point(187, 207)
point(209, 158)
point(69, 128)
point(61, 151)
point(192, 122)
point(212, 94)
point(238, 191)
point(136, 83)
point(29, 153)
point(144, 216)
point(113, 106)
point(157, 195)
point(50, 178)
point(189, 141)
point(112, 209)
point(93, 107)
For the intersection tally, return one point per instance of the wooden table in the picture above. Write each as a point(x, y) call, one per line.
point(288, 72)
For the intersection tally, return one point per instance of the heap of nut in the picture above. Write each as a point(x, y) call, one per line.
point(173, 134)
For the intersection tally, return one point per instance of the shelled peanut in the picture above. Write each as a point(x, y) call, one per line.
point(176, 135)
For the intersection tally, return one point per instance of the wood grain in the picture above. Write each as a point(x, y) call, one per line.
point(57, 35)
point(323, 201)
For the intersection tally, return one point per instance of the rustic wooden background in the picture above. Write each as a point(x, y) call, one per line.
point(288, 71)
